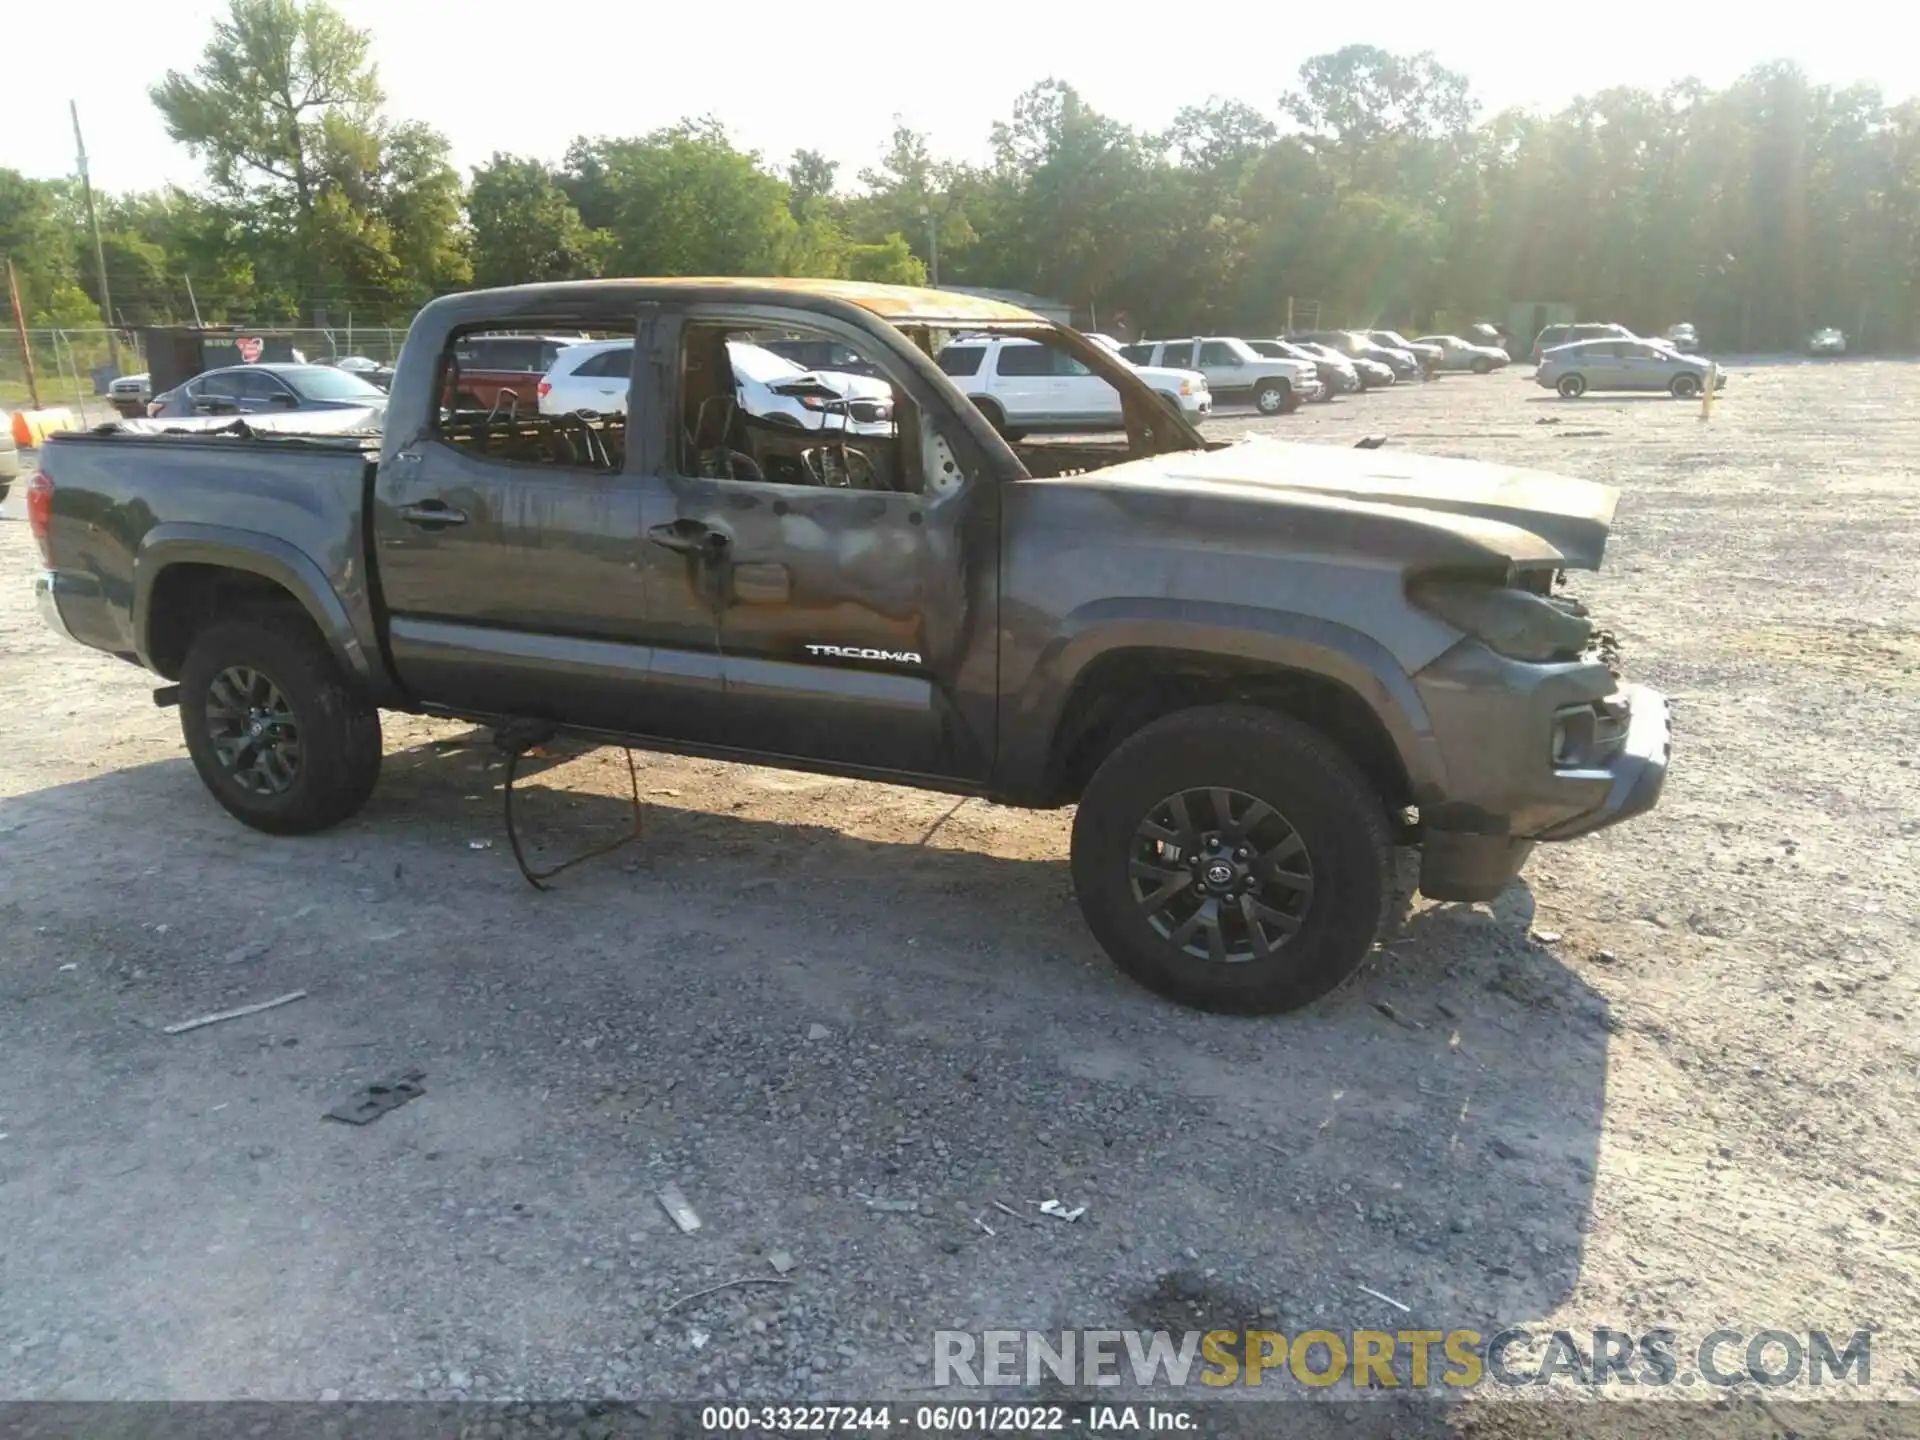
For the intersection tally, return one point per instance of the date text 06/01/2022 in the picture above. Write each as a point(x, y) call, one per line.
point(948, 1419)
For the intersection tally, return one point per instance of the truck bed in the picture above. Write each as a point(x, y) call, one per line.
point(122, 500)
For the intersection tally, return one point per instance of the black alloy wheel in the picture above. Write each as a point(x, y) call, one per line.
point(1221, 874)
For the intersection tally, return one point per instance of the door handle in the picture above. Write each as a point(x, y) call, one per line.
point(432, 514)
point(689, 537)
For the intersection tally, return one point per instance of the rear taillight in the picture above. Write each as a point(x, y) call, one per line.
point(40, 512)
point(545, 389)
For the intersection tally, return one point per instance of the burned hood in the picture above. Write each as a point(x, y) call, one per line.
point(1528, 517)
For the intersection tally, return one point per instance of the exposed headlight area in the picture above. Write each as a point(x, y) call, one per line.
point(1516, 623)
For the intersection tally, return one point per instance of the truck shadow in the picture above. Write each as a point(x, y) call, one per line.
point(1436, 1121)
point(1415, 1152)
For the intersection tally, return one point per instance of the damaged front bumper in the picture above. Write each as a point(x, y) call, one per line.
point(1533, 753)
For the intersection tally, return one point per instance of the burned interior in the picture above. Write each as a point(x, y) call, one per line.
point(778, 403)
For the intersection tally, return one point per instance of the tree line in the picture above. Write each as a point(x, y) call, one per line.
point(1375, 186)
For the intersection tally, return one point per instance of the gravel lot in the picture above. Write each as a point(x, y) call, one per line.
point(1669, 1080)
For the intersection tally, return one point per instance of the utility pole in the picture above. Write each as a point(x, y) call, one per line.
point(99, 255)
point(20, 329)
point(193, 302)
point(933, 244)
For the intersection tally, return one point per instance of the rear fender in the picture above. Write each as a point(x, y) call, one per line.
point(168, 545)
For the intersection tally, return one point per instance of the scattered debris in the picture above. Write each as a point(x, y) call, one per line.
point(1605, 957)
point(1547, 937)
point(479, 844)
point(678, 1210)
point(371, 1103)
point(70, 965)
point(1447, 1012)
point(1404, 1309)
point(234, 1014)
point(977, 1220)
point(1056, 1209)
point(890, 1207)
point(698, 1339)
point(781, 1261)
point(714, 1290)
point(241, 954)
point(817, 1031)
point(1385, 1007)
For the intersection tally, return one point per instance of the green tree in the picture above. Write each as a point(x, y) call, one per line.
point(525, 229)
point(284, 110)
point(683, 201)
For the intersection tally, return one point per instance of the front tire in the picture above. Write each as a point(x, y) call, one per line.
point(1482, 365)
point(1572, 387)
point(278, 734)
point(1233, 859)
point(1685, 387)
point(1273, 397)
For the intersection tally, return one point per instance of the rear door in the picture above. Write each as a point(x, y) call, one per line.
point(510, 558)
point(1024, 381)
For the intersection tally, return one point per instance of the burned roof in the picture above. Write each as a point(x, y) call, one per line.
point(896, 304)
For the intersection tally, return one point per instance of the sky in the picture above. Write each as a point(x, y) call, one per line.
point(524, 78)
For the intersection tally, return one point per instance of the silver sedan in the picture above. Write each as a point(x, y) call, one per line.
point(1586, 365)
point(1458, 354)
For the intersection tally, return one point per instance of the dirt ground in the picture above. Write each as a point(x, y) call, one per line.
point(1669, 1080)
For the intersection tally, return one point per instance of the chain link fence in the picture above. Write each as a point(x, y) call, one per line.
point(72, 368)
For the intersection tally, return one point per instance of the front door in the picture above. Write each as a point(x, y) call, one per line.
point(1223, 367)
point(825, 591)
point(511, 564)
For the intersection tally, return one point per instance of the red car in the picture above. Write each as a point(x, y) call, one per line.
point(485, 366)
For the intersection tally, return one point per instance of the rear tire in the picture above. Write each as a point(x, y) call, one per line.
point(997, 418)
point(1234, 930)
point(1572, 387)
point(1685, 387)
point(279, 735)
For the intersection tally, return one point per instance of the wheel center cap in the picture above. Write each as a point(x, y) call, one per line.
point(1219, 874)
point(259, 727)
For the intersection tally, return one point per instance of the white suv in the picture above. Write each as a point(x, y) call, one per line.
point(1022, 386)
point(593, 377)
point(1234, 369)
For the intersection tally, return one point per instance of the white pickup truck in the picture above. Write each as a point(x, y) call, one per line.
point(1235, 370)
point(1026, 388)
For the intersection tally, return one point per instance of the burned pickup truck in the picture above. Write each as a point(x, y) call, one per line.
point(1255, 668)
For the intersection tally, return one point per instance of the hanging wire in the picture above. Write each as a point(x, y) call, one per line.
point(538, 878)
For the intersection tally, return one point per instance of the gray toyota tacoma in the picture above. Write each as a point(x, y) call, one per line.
point(1254, 667)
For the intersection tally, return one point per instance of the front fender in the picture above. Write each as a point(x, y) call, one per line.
point(1239, 632)
point(271, 558)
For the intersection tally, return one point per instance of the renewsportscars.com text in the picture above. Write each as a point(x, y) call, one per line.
point(1402, 1359)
